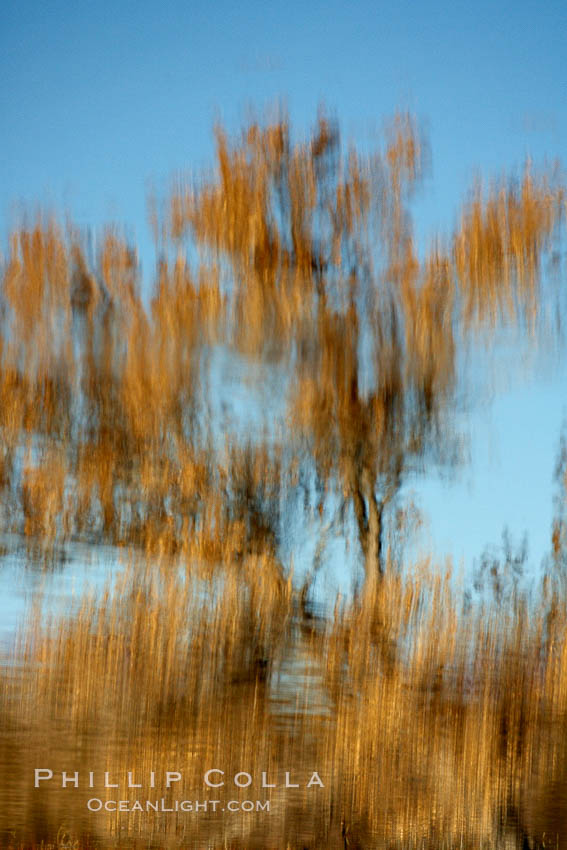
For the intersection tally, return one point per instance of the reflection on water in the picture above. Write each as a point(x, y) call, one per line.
point(54, 585)
point(355, 735)
point(397, 719)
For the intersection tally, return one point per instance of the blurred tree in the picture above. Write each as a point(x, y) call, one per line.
point(325, 279)
point(307, 264)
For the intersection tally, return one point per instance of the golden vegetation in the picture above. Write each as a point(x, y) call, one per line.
point(499, 246)
point(430, 725)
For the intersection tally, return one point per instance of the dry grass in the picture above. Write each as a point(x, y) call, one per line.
point(428, 726)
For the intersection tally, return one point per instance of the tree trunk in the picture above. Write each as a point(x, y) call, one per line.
point(373, 559)
point(369, 516)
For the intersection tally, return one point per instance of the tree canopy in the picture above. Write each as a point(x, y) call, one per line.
point(298, 257)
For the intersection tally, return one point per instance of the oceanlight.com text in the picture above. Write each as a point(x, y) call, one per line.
point(192, 806)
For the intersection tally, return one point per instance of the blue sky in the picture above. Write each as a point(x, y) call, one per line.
point(102, 101)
